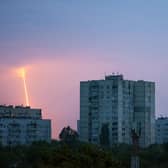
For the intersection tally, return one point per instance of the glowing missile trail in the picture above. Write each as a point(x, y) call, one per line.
point(22, 74)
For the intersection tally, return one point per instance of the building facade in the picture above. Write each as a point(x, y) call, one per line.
point(22, 126)
point(162, 130)
point(110, 108)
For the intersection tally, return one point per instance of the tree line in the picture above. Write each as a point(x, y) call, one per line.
point(69, 152)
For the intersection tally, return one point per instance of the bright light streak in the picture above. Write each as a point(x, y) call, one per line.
point(22, 74)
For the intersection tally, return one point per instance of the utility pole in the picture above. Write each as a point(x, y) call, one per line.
point(135, 163)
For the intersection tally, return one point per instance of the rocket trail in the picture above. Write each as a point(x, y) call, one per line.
point(22, 74)
point(26, 92)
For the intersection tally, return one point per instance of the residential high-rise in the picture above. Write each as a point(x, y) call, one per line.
point(162, 130)
point(22, 125)
point(110, 108)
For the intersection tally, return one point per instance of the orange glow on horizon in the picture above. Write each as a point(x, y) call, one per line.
point(22, 73)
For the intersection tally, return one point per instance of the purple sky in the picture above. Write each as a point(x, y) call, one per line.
point(65, 41)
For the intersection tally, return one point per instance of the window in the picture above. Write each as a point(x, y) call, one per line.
point(114, 123)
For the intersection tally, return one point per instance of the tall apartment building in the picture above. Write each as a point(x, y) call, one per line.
point(162, 130)
point(114, 106)
point(23, 125)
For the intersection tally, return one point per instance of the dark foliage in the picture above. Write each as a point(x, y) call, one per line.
point(104, 136)
point(80, 155)
point(68, 135)
point(57, 155)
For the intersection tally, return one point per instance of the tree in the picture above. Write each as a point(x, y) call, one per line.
point(104, 136)
point(68, 135)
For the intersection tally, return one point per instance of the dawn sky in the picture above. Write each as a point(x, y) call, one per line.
point(61, 42)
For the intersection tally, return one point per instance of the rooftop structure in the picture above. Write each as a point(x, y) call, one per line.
point(19, 112)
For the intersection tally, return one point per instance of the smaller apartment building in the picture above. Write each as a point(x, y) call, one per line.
point(162, 130)
point(22, 125)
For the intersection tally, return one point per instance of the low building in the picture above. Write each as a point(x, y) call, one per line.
point(162, 130)
point(23, 125)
